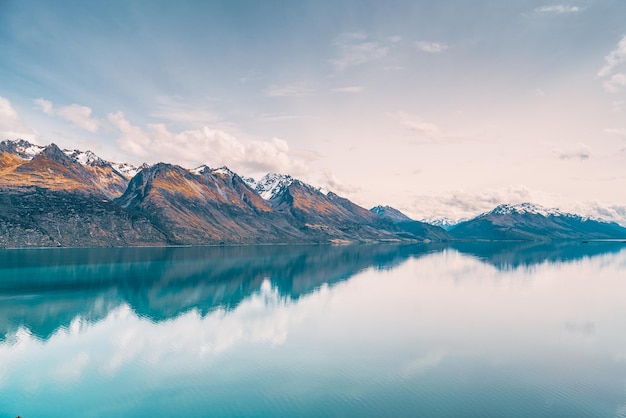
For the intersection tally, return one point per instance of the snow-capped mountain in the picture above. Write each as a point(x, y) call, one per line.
point(21, 148)
point(272, 184)
point(128, 170)
point(390, 213)
point(527, 221)
point(75, 198)
point(85, 157)
point(443, 222)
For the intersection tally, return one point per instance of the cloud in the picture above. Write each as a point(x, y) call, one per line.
point(354, 49)
point(621, 132)
point(614, 82)
point(331, 182)
point(348, 89)
point(289, 90)
point(172, 109)
point(44, 105)
point(459, 204)
point(79, 115)
point(210, 146)
point(432, 47)
point(11, 126)
point(558, 9)
point(579, 152)
point(425, 131)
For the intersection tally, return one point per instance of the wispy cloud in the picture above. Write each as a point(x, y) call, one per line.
point(11, 126)
point(613, 82)
point(210, 146)
point(355, 49)
point(173, 109)
point(578, 152)
point(558, 9)
point(424, 131)
point(621, 132)
point(289, 90)
point(431, 47)
point(348, 89)
point(332, 183)
point(458, 204)
point(78, 115)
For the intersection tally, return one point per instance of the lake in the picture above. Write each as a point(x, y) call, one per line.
point(463, 330)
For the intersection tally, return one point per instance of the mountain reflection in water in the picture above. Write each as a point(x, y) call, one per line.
point(44, 290)
point(483, 330)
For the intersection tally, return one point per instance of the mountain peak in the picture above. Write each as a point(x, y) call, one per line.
point(272, 184)
point(525, 208)
point(201, 169)
point(85, 158)
point(21, 147)
point(223, 171)
point(390, 213)
point(443, 222)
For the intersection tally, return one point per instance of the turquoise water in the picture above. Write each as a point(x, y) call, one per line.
point(364, 330)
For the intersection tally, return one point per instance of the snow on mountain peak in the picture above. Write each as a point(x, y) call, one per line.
point(23, 148)
point(84, 157)
point(272, 184)
point(223, 171)
point(200, 170)
point(443, 222)
point(128, 170)
point(525, 208)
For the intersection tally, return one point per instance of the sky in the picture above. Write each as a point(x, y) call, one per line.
point(437, 108)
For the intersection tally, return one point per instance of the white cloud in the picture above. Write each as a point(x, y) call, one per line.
point(348, 89)
point(615, 58)
point(210, 146)
point(172, 109)
point(355, 49)
point(614, 83)
point(558, 8)
point(331, 182)
point(432, 47)
point(289, 90)
point(79, 115)
point(579, 152)
point(11, 126)
point(459, 204)
point(621, 132)
point(424, 130)
point(44, 105)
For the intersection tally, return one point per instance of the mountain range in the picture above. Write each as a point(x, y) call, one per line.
point(53, 197)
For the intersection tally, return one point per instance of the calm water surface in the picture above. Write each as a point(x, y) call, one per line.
point(380, 331)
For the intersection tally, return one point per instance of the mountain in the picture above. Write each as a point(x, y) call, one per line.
point(54, 197)
point(390, 213)
point(416, 228)
point(443, 222)
point(322, 215)
point(529, 222)
point(26, 164)
point(204, 206)
point(47, 198)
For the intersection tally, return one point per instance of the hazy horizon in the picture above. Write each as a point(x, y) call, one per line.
point(432, 108)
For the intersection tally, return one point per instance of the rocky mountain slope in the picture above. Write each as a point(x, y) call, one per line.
point(411, 226)
point(54, 197)
point(529, 222)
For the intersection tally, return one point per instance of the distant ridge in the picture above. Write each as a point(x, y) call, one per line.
point(530, 222)
point(54, 197)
